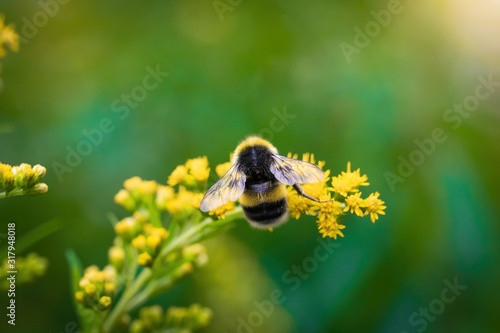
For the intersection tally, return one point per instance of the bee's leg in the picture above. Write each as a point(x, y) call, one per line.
point(301, 191)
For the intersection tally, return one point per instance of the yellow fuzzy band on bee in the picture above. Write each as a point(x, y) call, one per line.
point(252, 141)
point(250, 199)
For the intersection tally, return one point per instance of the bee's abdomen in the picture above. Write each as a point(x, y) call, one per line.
point(267, 214)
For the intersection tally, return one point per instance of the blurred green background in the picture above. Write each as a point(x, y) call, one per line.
point(225, 79)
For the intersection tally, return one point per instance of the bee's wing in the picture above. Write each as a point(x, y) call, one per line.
point(229, 187)
point(290, 171)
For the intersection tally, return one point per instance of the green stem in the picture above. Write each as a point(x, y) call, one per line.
point(185, 238)
point(119, 309)
point(149, 292)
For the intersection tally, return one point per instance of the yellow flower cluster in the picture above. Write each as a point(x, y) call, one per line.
point(138, 193)
point(29, 268)
point(342, 196)
point(97, 288)
point(22, 179)
point(142, 195)
point(8, 38)
point(148, 243)
point(184, 202)
point(155, 319)
point(195, 171)
point(191, 178)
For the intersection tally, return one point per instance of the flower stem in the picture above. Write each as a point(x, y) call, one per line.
point(131, 298)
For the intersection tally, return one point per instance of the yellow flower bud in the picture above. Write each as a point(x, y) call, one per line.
point(147, 187)
point(141, 218)
point(83, 282)
point(132, 183)
point(163, 195)
point(105, 302)
point(90, 289)
point(109, 273)
point(139, 242)
point(92, 268)
point(160, 232)
point(144, 259)
point(153, 242)
point(126, 228)
point(116, 256)
point(123, 198)
point(184, 269)
point(39, 171)
point(198, 168)
point(79, 296)
point(109, 287)
point(39, 189)
point(177, 176)
point(221, 169)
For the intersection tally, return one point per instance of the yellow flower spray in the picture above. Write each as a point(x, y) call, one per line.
point(157, 245)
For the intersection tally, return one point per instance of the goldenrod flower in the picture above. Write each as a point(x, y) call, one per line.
point(8, 37)
point(221, 169)
point(145, 259)
point(116, 256)
point(184, 202)
point(185, 269)
point(328, 208)
point(163, 195)
point(198, 168)
point(109, 287)
point(178, 175)
point(105, 302)
point(124, 199)
point(132, 184)
point(153, 242)
point(220, 212)
point(128, 228)
point(354, 204)
point(374, 206)
point(191, 318)
point(298, 205)
point(21, 180)
point(329, 227)
point(348, 181)
point(79, 296)
point(197, 253)
point(90, 289)
point(139, 242)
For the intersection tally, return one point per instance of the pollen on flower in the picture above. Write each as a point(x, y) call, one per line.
point(354, 204)
point(220, 212)
point(374, 206)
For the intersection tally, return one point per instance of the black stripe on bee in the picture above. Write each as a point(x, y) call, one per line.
point(267, 214)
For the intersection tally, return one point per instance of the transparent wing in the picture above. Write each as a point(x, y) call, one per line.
point(290, 171)
point(229, 187)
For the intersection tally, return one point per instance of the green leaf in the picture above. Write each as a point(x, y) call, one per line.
point(75, 271)
point(34, 235)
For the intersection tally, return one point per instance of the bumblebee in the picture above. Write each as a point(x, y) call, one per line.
point(258, 178)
